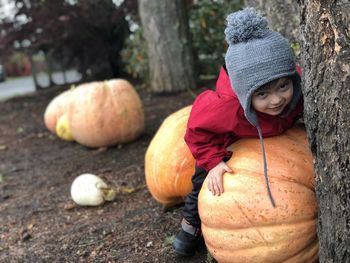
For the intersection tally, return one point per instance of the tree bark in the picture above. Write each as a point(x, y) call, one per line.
point(48, 62)
point(283, 16)
point(326, 86)
point(165, 28)
point(34, 71)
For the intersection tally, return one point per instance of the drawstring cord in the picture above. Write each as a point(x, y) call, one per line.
point(265, 168)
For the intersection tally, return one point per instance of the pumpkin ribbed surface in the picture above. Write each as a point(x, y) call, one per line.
point(169, 164)
point(242, 226)
point(105, 113)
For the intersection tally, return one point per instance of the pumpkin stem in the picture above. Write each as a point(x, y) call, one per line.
point(111, 192)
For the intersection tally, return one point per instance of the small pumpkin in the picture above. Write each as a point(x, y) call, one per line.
point(242, 226)
point(63, 130)
point(169, 164)
point(55, 109)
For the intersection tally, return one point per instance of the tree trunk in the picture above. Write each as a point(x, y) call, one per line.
point(165, 28)
point(64, 75)
point(326, 87)
point(34, 71)
point(48, 62)
point(283, 16)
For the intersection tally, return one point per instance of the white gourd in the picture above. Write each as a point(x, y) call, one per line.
point(86, 190)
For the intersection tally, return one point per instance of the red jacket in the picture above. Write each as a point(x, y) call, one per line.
point(217, 120)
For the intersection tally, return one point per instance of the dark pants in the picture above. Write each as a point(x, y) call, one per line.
point(190, 209)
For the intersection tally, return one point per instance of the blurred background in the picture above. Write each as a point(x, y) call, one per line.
point(65, 41)
point(46, 43)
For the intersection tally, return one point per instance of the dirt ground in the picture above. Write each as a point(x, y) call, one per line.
point(37, 222)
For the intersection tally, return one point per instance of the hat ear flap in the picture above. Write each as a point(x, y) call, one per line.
point(297, 92)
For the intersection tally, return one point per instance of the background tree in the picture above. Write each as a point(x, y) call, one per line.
point(169, 47)
point(207, 25)
point(283, 17)
point(326, 78)
point(90, 33)
point(206, 22)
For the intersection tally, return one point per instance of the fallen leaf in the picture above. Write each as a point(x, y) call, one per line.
point(169, 240)
point(69, 205)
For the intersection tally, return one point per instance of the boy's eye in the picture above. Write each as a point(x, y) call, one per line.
point(261, 94)
point(285, 85)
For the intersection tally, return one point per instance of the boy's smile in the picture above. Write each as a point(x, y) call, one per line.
point(273, 99)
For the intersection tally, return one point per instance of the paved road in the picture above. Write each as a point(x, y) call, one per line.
point(18, 86)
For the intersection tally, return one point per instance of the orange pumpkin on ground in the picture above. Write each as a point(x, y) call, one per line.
point(105, 113)
point(169, 164)
point(242, 226)
point(98, 114)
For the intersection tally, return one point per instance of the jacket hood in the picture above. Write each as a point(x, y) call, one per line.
point(223, 83)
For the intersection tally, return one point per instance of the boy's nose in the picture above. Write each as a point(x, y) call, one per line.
point(276, 99)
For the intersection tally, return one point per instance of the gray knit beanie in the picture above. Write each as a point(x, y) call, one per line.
point(255, 56)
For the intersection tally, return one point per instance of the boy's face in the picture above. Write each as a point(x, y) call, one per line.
point(274, 98)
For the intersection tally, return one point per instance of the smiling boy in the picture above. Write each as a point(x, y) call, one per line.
point(257, 95)
point(272, 99)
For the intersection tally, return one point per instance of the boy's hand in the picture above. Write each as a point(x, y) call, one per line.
point(215, 182)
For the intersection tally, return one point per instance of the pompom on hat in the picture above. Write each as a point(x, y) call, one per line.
point(255, 56)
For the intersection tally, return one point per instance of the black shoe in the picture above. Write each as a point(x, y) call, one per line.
point(188, 240)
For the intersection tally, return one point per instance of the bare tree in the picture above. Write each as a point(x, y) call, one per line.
point(326, 76)
point(165, 28)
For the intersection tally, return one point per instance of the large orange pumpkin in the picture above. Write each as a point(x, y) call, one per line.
point(99, 114)
point(169, 164)
point(242, 226)
point(105, 113)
